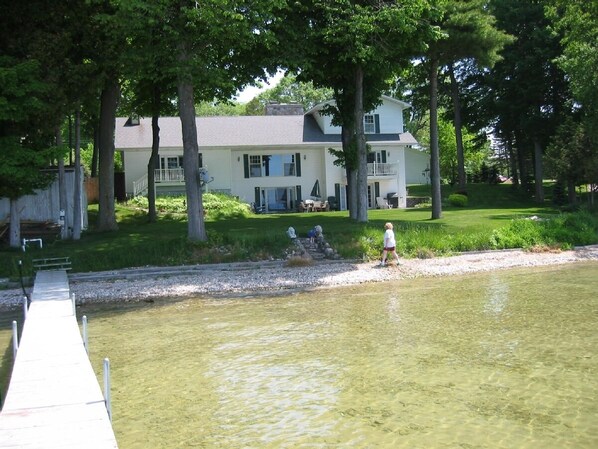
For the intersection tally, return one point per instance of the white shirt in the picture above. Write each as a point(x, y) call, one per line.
point(389, 239)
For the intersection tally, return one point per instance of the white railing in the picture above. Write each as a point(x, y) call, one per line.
point(381, 169)
point(160, 175)
point(140, 186)
point(169, 175)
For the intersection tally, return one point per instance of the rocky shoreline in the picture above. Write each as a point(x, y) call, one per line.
point(246, 279)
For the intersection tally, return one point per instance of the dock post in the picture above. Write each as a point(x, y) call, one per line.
point(84, 320)
point(15, 339)
point(74, 304)
point(25, 308)
point(107, 398)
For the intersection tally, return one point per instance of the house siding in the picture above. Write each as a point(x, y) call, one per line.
point(225, 150)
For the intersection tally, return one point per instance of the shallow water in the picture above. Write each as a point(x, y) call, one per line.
point(499, 360)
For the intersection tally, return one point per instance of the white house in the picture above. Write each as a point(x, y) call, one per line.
point(275, 160)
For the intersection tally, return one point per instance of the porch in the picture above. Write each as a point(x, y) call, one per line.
point(379, 170)
point(172, 177)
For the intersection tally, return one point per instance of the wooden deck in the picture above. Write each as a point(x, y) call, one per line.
point(54, 399)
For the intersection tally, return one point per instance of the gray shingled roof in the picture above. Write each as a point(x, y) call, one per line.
point(264, 130)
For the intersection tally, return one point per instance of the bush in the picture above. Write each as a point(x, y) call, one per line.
point(457, 200)
point(563, 231)
point(216, 205)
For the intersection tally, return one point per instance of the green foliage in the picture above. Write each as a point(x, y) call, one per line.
point(216, 206)
point(564, 231)
point(219, 109)
point(492, 220)
point(220, 206)
point(577, 20)
point(457, 200)
point(289, 90)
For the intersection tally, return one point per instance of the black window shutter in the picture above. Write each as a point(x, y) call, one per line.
point(298, 164)
point(257, 197)
point(246, 165)
point(298, 192)
point(337, 194)
point(383, 156)
point(377, 123)
point(200, 160)
point(376, 189)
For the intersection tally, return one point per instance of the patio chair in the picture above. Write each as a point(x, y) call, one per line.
point(382, 203)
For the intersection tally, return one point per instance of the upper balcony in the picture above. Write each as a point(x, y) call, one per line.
point(379, 169)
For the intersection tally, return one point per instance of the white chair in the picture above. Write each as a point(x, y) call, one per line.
point(382, 203)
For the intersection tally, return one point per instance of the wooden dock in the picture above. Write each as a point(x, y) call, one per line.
point(54, 399)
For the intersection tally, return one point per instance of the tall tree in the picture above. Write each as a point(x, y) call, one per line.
point(150, 87)
point(353, 47)
point(577, 24)
point(25, 145)
point(110, 33)
point(471, 35)
point(221, 45)
point(46, 36)
point(468, 32)
point(528, 93)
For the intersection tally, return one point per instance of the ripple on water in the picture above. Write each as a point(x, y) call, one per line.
point(483, 361)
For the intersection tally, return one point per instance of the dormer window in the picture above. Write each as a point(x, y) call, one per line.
point(133, 120)
point(371, 124)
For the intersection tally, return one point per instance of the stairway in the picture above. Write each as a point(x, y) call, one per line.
point(311, 248)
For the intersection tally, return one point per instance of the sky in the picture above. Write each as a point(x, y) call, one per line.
point(250, 92)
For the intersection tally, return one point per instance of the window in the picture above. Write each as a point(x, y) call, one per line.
point(273, 165)
point(369, 124)
point(377, 156)
point(255, 166)
point(171, 162)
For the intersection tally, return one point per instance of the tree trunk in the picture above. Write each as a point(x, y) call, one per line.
point(195, 223)
point(523, 173)
point(15, 224)
point(62, 199)
point(458, 129)
point(94, 153)
point(362, 157)
point(77, 190)
point(347, 136)
point(538, 171)
point(109, 103)
point(434, 150)
point(512, 162)
point(571, 194)
point(153, 161)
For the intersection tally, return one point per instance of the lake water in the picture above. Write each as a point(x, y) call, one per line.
point(500, 360)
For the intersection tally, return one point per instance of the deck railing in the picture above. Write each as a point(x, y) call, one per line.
point(169, 175)
point(382, 169)
point(140, 186)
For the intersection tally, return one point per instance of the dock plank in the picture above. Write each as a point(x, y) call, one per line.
point(54, 399)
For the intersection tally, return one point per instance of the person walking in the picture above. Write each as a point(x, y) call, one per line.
point(389, 244)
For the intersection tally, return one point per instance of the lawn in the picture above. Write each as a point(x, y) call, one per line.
point(491, 210)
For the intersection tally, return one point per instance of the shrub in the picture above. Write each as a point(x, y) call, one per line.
point(457, 200)
point(298, 261)
point(216, 205)
point(560, 231)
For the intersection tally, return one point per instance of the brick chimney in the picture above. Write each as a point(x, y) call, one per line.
point(284, 109)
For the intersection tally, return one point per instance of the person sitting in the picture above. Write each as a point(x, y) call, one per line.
point(291, 233)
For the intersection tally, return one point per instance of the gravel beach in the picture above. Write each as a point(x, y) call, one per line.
point(243, 279)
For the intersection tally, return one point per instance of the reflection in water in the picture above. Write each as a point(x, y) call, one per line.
point(498, 294)
point(485, 361)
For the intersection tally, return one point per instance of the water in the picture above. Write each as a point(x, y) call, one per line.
point(499, 360)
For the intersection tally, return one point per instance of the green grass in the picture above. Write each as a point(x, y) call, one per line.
point(495, 217)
